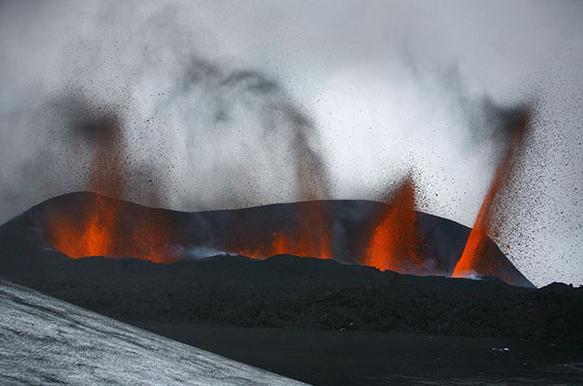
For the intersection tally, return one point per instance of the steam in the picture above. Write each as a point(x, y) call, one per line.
point(248, 106)
point(216, 136)
point(199, 253)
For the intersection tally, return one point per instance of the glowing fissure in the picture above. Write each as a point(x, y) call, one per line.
point(309, 236)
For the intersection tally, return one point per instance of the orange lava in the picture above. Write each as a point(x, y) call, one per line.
point(312, 239)
point(101, 227)
point(475, 258)
point(392, 245)
point(89, 236)
point(309, 236)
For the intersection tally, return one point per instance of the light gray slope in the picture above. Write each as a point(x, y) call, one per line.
point(44, 340)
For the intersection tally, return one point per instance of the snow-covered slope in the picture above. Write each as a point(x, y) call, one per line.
point(44, 341)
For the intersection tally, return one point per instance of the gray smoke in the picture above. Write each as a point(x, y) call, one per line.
point(207, 135)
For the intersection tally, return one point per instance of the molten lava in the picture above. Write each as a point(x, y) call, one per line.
point(306, 235)
point(101, 227)
point(91, 235)
point(476, 258)
point(393, 242)
point(312, 239)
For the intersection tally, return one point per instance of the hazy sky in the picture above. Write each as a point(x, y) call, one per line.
point(382, 88)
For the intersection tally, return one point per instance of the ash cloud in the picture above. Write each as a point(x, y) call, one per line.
point(188, 131)
point(96, 126)
point(281, 129)
point(487, 120)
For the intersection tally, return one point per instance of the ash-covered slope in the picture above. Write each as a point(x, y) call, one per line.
point(44, 340)
point(26, 239)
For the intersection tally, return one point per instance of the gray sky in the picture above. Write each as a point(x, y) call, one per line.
point(384, 86)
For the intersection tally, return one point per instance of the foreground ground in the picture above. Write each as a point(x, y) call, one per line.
point(46, 341)
point(326, 323)
point(377, 358)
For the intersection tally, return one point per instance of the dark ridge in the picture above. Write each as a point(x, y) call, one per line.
point(290, 292)
point(441, 245)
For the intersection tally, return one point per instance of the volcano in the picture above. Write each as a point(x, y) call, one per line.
point(84, 224)
point(214, 271)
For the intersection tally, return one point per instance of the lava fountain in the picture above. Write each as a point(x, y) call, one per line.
point(391, 238)
point(101, 229)
point(475, 258)
point(392, 245)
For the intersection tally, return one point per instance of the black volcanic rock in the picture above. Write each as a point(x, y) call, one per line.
point(291, 292)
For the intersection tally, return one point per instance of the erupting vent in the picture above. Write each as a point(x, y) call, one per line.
point(99, 229)
point(394, 239)
point(388, 239)
point(476, 257)
point(311, 237)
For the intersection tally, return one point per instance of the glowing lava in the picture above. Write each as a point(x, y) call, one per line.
point(306, 235)
point(102, 228)
point(392, 244)
point(476, 258)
